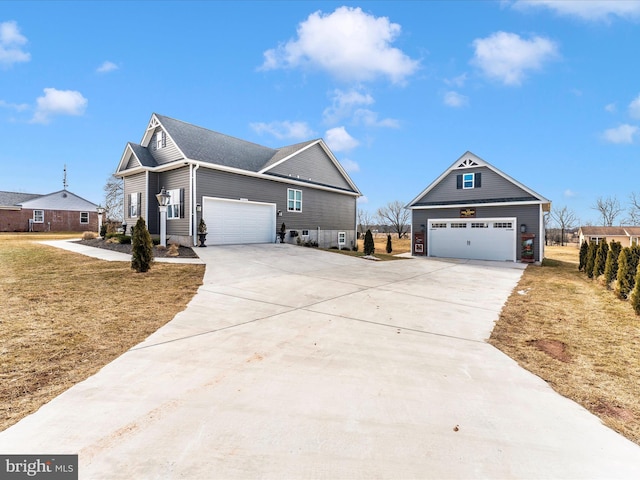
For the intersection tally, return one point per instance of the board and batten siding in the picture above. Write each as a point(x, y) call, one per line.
point(313, 165)
point(336, 210)
point(136, 183)
point(493, 186)
point(168, 153)
point(528, 215)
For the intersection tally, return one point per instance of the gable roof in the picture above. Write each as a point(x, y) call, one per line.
point(621, 231)
point(471, 160)
point(61, 200)
point(13, 199)
point(217, 150)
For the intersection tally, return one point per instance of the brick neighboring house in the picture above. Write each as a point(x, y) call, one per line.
point(60, 211)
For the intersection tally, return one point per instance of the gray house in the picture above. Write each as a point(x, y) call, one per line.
point(243, 191)
point(475, 211)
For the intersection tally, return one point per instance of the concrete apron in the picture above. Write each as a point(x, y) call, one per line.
point(294, 363)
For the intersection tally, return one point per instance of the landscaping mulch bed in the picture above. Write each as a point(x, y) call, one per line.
point(158, 252)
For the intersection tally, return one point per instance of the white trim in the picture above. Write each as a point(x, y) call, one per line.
point(463, 205)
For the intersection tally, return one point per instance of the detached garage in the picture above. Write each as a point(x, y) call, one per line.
point(475, 211)
point(232, 222)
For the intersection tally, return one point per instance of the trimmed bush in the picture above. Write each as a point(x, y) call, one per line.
point(635, 294)
point(142, 248)
point(591, 259)
point(611, 265)
point(601, 258)
point(389, 246)
point(627, 266)
point(369, 246)
point(89, 235)
point(583, 256)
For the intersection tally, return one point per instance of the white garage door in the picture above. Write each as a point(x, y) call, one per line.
point(237, 222)
point(478, 238)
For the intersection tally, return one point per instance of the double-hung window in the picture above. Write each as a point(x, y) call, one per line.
point(134, 205)
point(161, 139)
point(294, 200)
point(38, 216)
point(175, 204)
point(84, 217)
point(467, 180)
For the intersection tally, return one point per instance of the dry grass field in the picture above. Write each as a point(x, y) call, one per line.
point(65, 315)
point(577, 336)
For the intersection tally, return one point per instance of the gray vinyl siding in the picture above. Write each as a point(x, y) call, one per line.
point(528, 215)
point(132, 162)
point(312, 164)
point(327, 210)
point(169, 153)
point(170, 180)
point(493, 186)
point(135, 184)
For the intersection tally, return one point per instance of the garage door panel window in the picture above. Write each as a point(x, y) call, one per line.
point(438, 225)
point(458, 225)
point(479, 225)
point(502, 225)
point(294, 200)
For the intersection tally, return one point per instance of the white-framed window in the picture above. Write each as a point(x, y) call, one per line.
point(294, 200)
point(134, 205)
point(84, 217)
point(175, 204)
point(467, 180)
point(479, 225)
point(38, 216)
point(439, 225)
point(161, 139)
point(305, 233)
point(458, 225)
point(342, 238)
point(502, 225)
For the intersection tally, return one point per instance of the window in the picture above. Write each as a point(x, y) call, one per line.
point(438, 225)
point(502, 225)
point(174, 209)
point(84, 217)
point(294, 200)
point(38, 216)
point(161, 139)
point(458, 225)
point(342, 238)
point(479, 225)
point(134, 204)
point(467, 180)
point(305, 233)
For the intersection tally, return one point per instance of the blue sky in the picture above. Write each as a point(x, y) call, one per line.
point(548, 92)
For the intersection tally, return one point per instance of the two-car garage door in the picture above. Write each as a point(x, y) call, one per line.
point(237, 221)
point(477, 238)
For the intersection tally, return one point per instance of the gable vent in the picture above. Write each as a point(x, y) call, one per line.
point(468, 163)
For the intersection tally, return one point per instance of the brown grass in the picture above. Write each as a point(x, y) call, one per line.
point(577, 336)
point(66, 315)
point(398, 246)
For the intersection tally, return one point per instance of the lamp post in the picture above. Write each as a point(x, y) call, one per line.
point(163, 201)
point(100, 211)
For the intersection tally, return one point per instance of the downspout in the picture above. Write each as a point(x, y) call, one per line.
point(194, 203)
point(146, 197)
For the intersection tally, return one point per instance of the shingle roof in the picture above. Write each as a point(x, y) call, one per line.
point(12, 199)
point(146, 159)
point(61, 200)
point(205, 145)
point(601, 231)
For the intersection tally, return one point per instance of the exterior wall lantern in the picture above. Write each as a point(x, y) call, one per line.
point(100, 211)
point(163, 201)
point(523, 228)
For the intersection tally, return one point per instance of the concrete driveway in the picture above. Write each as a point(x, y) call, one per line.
point(294, 363)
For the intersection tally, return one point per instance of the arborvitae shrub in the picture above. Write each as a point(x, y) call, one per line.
point(611, 265)
point(142, 247)
point(583, 255)
point(625, 280)
point(369, 247)
point(635, 294)
point(601, 258)
point(591, 259)
point(389, 246)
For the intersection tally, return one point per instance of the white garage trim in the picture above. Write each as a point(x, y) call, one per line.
point(232, 222)
point(473, 238)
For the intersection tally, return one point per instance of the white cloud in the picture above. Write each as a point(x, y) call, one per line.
point(611, 108)
point(58, 102)
point(623, 134)
point(455, 99)
point(458, 81)
point(634, 107)
point(366, 117)
point(592, 10)
point(569, 193)
point(348, 44)
point(106, 67)
point(349, 165)
point(18, 107)
point(11, 43)
point(362, 199)
point(507, 57)
point(339, 139)
point(284, 130)
point(343, 104)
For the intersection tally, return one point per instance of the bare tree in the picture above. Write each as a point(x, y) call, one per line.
point(365, 220)
point(114, 198)
point(609, 209)
point(395, 215)
point(565, 219)
point(634, 209)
